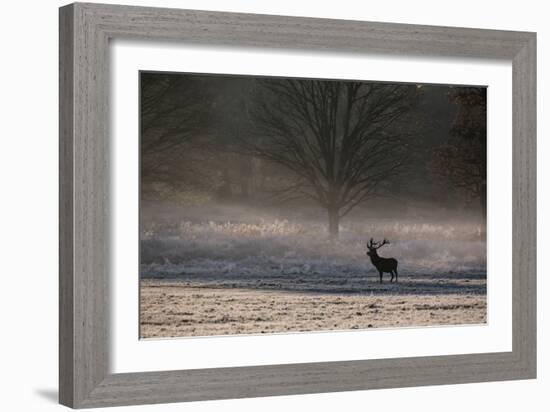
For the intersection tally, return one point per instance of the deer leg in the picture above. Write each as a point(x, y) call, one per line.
point(380, 276)
point(391, 273)
point(395, 270)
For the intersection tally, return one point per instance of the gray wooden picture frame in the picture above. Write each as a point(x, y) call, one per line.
point(85, 31)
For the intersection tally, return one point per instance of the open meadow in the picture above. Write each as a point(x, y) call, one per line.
point(249, 273)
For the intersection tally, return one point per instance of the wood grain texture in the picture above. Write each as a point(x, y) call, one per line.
point(66, 268)
point(85, 31)
point(524, 223)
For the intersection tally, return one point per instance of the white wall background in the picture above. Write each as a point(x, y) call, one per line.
point(28, 173)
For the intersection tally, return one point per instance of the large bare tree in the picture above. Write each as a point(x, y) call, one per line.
point(341, 140)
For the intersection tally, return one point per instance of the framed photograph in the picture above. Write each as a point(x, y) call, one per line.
point(256, 205)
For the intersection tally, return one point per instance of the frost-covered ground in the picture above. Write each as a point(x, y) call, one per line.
point(241, 271)
point(184, 309)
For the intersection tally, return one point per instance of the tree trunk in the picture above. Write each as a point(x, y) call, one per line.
point(333, 223)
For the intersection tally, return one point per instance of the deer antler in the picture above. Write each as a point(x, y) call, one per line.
point(377, 245)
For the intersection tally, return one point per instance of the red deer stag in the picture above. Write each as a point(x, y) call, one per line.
point(383, 265)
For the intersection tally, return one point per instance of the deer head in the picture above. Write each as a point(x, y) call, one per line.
point(373, 246)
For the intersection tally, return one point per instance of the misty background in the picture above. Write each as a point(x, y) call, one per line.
point(280, 183)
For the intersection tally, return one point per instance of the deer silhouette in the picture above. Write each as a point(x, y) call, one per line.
point(383, 265)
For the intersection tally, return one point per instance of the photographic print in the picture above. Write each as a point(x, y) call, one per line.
point(283, 205)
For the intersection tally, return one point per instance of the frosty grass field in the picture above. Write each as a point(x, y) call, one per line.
point(249, 273)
